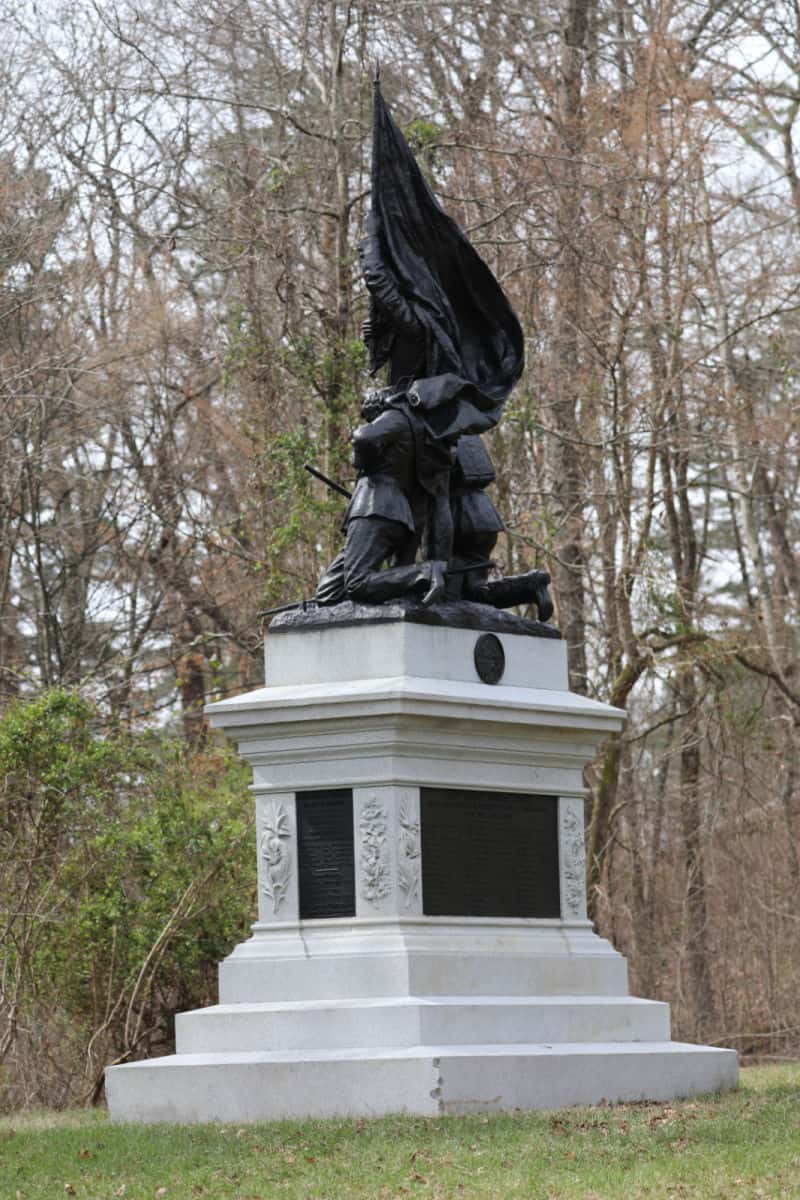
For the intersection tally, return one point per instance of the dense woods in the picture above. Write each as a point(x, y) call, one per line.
point(181, 190)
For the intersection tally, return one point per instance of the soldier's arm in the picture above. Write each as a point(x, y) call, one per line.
point(370, 441)
point(395, 310)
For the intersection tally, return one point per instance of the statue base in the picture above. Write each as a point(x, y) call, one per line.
point(460, 614)
point(422, 943)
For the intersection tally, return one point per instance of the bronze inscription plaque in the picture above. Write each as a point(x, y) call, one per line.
point(489, 854)
point(326, 860)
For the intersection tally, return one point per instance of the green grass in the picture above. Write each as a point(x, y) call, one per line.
point(741, 1146)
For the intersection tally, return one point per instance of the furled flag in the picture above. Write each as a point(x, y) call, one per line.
point(438, 316)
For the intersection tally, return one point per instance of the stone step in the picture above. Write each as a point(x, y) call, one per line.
point(431, 1020)
point(247, 979)
point(424, 1080)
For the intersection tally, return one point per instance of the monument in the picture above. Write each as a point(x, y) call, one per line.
point(422, 944)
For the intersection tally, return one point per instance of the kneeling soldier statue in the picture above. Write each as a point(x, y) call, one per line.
point(401, 488)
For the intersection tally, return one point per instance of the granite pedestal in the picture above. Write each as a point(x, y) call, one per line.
point(422, 943)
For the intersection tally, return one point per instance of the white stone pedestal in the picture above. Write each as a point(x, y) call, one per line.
point(389, 1010)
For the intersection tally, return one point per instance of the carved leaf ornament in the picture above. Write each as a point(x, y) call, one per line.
point(408, 853)
point(276, 859)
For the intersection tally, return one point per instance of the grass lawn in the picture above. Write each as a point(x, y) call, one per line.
point(742, 1146)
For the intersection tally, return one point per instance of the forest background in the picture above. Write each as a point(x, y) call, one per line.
point(182, 187)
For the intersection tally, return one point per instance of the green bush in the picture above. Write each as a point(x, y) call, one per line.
point(126, 873)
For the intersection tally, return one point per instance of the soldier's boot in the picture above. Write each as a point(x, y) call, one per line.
point(530, 588)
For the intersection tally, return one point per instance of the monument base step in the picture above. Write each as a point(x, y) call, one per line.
point(427, 1020)
point(447, 960)
point(421, 1080)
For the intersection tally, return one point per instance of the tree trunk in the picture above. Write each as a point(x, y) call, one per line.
point(567, 480)
point(691, 815)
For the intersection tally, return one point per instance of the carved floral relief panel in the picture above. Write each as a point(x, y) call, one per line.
point(275, 853)
point(408, 854)
point(373, 827)
point(573, 858)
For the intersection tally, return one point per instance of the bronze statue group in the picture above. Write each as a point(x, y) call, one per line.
point(453, 348)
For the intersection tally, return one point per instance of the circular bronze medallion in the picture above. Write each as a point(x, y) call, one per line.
point(490, 659)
